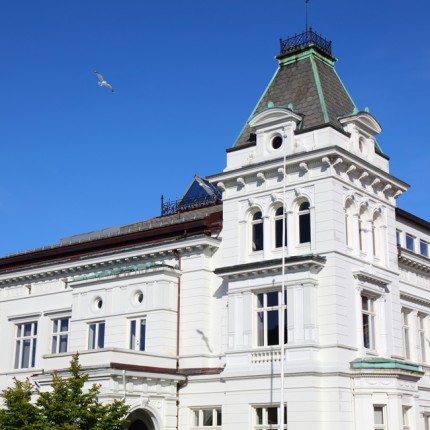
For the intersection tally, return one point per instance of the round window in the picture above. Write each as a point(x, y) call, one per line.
point(277, 142)
point(98, 303)
point(139, 297)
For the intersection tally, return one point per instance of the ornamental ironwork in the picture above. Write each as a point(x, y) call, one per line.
point(303, 40)
point(184, 205)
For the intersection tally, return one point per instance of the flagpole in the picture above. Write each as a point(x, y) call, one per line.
point(282, 322)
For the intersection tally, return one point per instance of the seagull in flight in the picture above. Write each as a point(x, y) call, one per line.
point(102, 81)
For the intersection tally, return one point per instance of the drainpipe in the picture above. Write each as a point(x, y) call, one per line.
point(179, 385)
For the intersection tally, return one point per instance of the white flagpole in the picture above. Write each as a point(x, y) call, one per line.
point(282, 322)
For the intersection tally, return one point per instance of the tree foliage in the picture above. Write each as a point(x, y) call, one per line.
point(67, 406)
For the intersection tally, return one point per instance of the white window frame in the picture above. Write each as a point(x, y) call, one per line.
point(199, 416)
point(383, 425)
point(135, 335)
point(261, 417)
point(370, 315)
point(421, 324)
point(98, 340)
point(300, 216)
point(406, 332)
point(279, 222)
point(410, 236)
point(25, 342)
point(257, 229)
point(424, 245)
point(262, 317)
point(58, 335)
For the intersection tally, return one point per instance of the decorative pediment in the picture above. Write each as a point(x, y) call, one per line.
point(274, 115)
point(363, 120)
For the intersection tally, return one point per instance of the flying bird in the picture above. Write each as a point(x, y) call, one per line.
point(102, 81)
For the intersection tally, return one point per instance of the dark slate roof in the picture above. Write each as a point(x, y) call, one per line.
point(310, 83)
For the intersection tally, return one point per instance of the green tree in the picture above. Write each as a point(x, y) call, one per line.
point(19, 412)
point(67, 406)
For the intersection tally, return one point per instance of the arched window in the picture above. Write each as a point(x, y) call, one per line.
point(257, 231)
point(280, 227)
point(362, 228)
point(348, 223)
point(304, 223)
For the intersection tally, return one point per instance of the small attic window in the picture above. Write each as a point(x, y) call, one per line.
point(252, 137)
point(277, 142)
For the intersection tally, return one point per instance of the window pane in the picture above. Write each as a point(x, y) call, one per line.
point(259, 412)
point(54, 345)
point(260, 328)
point(257, 239)
point(378, 414)
point(132, 334)
point(25, 360)
point(424, 249)
point(364, 303)
point(92, 336)
point(64, 324)
point(101, 337)
point(55, 326)
point(63, 343)
point(410, 242)
point(218, 417)
point(207, 417)
point(33, 354)
point(272, 299)
point(142, 335)
point(272, 415)
point(305, 228)
point(366, 333)
point(260, 300)
point(17, 351)
point(27, 329)
point(272, 328)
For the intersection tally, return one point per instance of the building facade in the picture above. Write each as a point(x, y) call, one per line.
point(297, 242)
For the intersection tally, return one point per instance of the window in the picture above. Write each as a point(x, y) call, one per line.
point(424, 248)
point(405, 328)
point(422, 337)
point(368, 315)
point(410, 240)
point(208, 417)
point(304, 223)
point(379, 417)
point(137, 334)
point(269, 417)
point(96, 335)
point(25, 345)
point(269, 308)
point(280, 227)
point(257, 231)
point(405, 417)
point(60, 335)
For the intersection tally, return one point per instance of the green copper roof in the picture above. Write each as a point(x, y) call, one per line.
point(310, 83)
point(384, 363)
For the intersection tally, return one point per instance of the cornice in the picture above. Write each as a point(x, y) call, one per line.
point(414, 261)
point(112, 263)
point(261, 268)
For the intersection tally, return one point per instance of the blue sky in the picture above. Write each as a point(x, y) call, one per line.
point(187, 74)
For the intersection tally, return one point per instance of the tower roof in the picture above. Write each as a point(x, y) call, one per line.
point(306, 82)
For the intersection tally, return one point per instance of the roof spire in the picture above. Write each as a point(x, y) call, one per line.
point(307, 2)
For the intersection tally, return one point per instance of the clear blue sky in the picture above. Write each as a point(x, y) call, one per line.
point(187, 74)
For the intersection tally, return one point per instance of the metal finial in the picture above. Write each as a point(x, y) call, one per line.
point(307, 2)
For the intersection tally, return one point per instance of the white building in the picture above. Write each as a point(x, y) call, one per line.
point(180, 314)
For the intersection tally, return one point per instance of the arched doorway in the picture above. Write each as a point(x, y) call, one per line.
point(140, 420)
point(138, 425)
